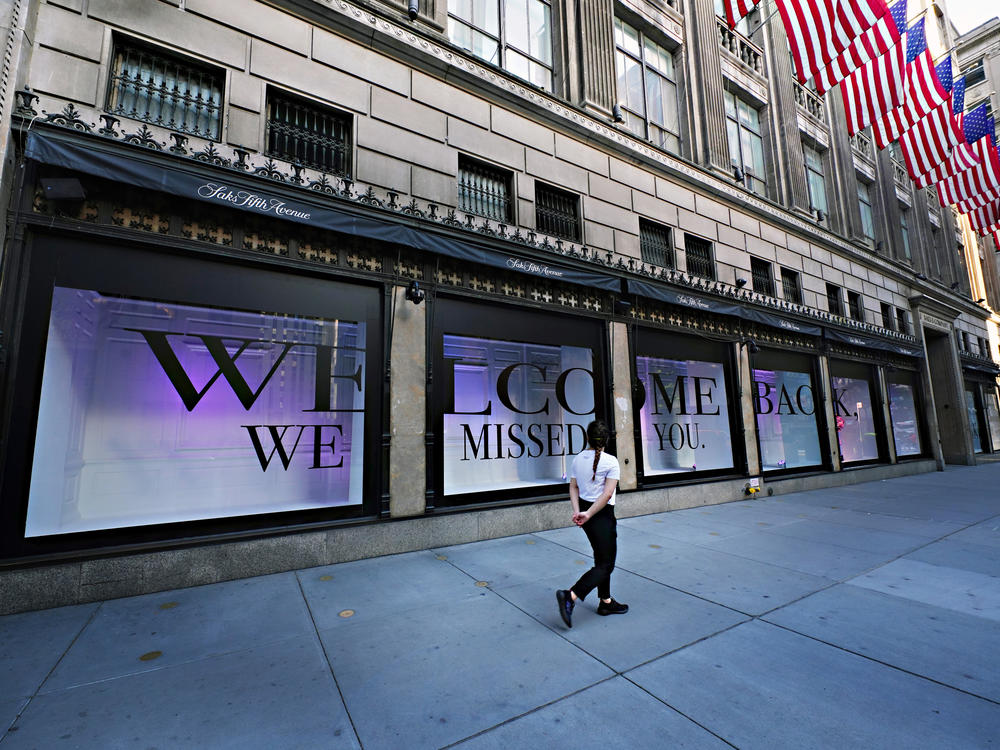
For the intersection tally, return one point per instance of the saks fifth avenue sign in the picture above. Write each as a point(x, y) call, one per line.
point(250, 201)
point(538, 269)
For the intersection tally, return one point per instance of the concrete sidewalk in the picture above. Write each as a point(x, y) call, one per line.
point(866, 616)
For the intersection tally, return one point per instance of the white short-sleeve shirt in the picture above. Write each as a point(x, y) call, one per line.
point(583, 470)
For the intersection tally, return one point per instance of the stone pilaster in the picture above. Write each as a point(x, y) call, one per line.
point(747, 409)
point(621, 398)
point(595, 44)
point(709, 142)
point(407, 407)
point(782, 116)
point(832, 443)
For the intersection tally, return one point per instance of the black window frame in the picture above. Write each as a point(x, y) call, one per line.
point(304, 138)
point(162, 58)
point(657, 251)
point(902, 320)
point(704, 263)
point(888, 321)
point(462, 316)
point(791, 285)
point(648, 342)
point(132, 268)
point(762, 276)
point(482, 179)
point(572, 219)
point(834, 300)
point(855, 305)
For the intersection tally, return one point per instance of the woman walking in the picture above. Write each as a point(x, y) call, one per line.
point(592, 484)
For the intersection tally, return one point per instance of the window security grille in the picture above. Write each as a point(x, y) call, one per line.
point(165, 90)
point(790, 286)
point(834, 302)
point(654, 244)
point(484, 190)
point(699, 257)
point(763, 279)
point(308, 134)
point(854, 303)
point(557, 212)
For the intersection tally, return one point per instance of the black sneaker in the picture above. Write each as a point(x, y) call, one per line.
point(611, 608)
point(565, 606)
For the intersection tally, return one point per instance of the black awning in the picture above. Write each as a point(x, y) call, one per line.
point(721, 307)
point(203, 182)
point(868, 342)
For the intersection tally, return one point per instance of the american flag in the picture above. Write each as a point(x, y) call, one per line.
point(958, 98)
point(879, 39)
point(737, 9)
point(975, 187)
point(986, 218)
point(925, 89)
point(930, 141)
point(819, 30)
point(962, 157)
point(877, 87)
point(976, 124)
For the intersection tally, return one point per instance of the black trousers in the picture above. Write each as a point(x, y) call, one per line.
point(602, 531)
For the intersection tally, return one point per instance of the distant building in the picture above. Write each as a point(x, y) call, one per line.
point(291, 282)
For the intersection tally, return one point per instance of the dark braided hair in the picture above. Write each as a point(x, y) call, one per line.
point(597, 435)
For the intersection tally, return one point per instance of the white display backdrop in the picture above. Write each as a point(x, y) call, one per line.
point(520, 413)
point(786, 419)
point(684, 418)
point(855, 419)
point(154, 412)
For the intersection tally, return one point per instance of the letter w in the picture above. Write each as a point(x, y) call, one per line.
point(276, 439)
point(174, 370)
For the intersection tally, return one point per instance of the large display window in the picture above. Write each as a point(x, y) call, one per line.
point(992, 414)
point(904, 403)
point(516, 392)
point(785, 403)
point(973, 405)
point(857, 412)
point(173, 391)
point(685, 406)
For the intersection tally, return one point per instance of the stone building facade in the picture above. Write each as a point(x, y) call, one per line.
point(302, 281)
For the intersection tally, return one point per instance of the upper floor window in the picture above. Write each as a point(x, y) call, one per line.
point(867, 217)
point(746, 145)
point(308, 133)
point(790, 287)
point(834, 302)
point(854, 304)
point(484, 190)
point(513, 34)
point(557, 212)
point(965, 342)
point(763, 278)
point(815, 178)
point(887, 316)
point(654, 244)
point(699, 257)
point(902, 320)
point(975, 73)
point(647, 87)
point(161, 88)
